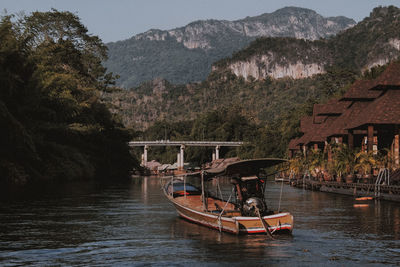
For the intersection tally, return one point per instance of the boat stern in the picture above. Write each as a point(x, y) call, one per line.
point(277, 223)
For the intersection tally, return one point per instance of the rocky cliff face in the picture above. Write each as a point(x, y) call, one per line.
point(278, 58)
point(296, 70)
point(392, 48)
point(358, 48)
point(288, 22)
point(186, 54)
point(262, 67)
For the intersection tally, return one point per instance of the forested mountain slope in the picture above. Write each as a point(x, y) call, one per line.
point(186, 54)
point(260, 87)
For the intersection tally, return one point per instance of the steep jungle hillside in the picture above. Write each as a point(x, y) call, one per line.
point(374, 41)
point(270, 77)
point(263, 100)
point(186, 54)
point(53, 126)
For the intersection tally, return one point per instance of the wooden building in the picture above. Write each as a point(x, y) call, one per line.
point(366, 117)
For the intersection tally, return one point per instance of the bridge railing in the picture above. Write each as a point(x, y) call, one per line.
point(182, 144)
point(185, 143)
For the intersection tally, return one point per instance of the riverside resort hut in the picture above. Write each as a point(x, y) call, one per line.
point(367, 117)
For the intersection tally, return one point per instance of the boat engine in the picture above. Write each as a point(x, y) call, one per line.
point(251, 205)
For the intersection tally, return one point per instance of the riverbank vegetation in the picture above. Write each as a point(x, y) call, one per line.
point(342, 164)
point(53, 126)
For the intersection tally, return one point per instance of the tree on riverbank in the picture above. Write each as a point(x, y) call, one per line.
point(53, 124)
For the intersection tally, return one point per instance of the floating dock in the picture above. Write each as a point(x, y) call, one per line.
point(383, 192)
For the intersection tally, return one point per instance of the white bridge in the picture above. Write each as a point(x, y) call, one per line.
point(182, 145)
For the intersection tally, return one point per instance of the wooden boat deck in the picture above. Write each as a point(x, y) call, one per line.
point(214, 206)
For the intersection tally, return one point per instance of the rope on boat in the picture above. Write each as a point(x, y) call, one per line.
point(264, 223)
point(219, 189)
point(222, 211)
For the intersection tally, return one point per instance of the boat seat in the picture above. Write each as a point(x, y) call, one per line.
point(216, 211)
point(218, 207)
point(232, 213)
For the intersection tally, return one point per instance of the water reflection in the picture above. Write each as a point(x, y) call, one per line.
point(256, 246)
point(91, 224)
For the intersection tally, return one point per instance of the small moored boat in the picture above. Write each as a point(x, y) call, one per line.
point(245, 211)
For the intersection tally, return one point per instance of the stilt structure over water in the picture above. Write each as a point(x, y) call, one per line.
point(351, 145)
point(366, 117)
point(182, 145)
point(375, 191)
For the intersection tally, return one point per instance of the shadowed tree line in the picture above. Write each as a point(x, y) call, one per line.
point(53, 126)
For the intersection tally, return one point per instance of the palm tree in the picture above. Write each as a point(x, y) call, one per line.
point(384, 159)
point(343, 161)
point(317, 164)
point(297, 164)
point(364, 163)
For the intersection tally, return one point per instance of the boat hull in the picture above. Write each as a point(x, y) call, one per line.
point(236, 224)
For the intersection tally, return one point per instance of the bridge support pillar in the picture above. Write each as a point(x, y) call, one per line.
point(144, 156)
point(182, 158)
point(178, 160)
point(217, 152)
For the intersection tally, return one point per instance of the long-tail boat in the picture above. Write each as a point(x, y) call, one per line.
point(244, 212)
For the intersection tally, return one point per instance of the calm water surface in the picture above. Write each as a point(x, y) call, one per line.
point(133, 224)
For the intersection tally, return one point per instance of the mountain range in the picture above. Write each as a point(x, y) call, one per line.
point(270, 77)
point(186, 54)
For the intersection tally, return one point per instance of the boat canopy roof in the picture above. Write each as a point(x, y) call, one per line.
point(242, 168)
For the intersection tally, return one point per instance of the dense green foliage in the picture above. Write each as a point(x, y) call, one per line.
point(144, 60)
point(263, 100)
point(368, 40)
point(53, 124)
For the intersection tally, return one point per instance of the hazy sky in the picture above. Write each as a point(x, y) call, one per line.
point(114, 20)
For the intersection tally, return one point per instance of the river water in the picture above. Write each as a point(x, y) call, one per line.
point(133, 224)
